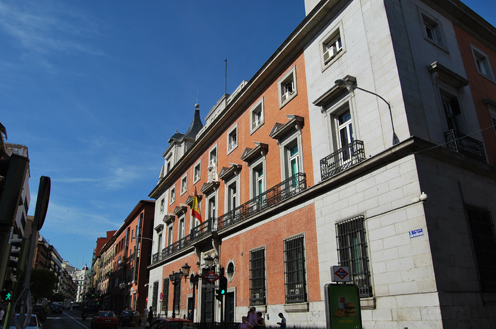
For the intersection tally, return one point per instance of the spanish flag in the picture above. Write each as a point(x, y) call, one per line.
point(195, 209)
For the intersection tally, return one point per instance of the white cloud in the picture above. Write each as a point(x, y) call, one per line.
point(43, 30)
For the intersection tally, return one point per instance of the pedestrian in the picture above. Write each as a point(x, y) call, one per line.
point(252, 316)
point(150, 316)
point(283, 321)
point(190, 315)
point(260, 321)
point(244, 323)
point(145, 316)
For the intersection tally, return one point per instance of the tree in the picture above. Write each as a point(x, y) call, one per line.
point(42, 283)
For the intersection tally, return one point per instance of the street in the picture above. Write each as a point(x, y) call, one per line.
point(69, 319)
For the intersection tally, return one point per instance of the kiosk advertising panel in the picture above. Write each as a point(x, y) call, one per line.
point(342, 306)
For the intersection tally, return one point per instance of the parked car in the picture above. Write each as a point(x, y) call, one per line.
point(130, 318)
point(172, 323)
point(104, 319)
point(34, 322)
point(39, 310)
point(76, 305)
point(57, 308)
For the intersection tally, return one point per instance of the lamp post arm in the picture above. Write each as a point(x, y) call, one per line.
point(377, 95)
point(395, 138)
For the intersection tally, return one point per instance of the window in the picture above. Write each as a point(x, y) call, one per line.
point(256, 116)
point(184, 184)
point(482, 63)
point(345, 134)
point(352, 252)
point(162, 205)
point(287, 87)
point(165, 295)
point(452, 111)
point(211, 207)
point(197, 172)
point(181, 228)
point(258, 180)
point(155, 295)
point(170, 235)
point(159, 242)
point(230, 271)
point(294, 260)
point(172, 195)
point(257, 277)
point(212, 157)
point(492, 113)
point(232, 196)
point(432, 30)
point(232, 139)
point(331, 47)
point(484, 244)
point(177, 298)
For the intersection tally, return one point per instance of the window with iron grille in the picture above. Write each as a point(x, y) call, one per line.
point(165, 295)
point(177, 293)
point(352, 252)
point(257, 277)
point(155, 295)
point(294, 259)
point(484, 244)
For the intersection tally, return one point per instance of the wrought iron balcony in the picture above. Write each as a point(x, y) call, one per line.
point(342, 159)
point(282, 191)
point(465, 145)
point(196, 233)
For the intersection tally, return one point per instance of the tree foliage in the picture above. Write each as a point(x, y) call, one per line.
point(43, 283)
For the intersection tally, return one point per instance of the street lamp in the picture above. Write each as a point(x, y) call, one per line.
point(175, 278)
point(341, 83)
point(209, 261)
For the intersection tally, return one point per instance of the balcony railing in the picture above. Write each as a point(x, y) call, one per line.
point(196, 233)
point(465, 145)
point(342, 159)
point(282, 191)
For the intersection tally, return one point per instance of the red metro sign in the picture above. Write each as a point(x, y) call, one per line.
point(340, 273)
point(210, 277)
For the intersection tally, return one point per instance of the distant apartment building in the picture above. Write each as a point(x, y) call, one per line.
point(366, 141)
point(121, 259)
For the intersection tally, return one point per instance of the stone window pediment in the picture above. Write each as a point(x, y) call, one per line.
point(181, 209)
point(227, 173)
point(159, 227)
point(250, 154)
point(441, 72)
point(169, 218)
point(209, 187)
point(279, 131)
point(189, 200)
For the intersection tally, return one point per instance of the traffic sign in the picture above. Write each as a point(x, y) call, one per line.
point(211, 277)
point(161, 295)
point(340, 274)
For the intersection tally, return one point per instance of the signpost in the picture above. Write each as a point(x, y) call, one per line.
point(340, 274)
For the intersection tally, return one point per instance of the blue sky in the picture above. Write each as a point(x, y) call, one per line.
point(96, 88)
